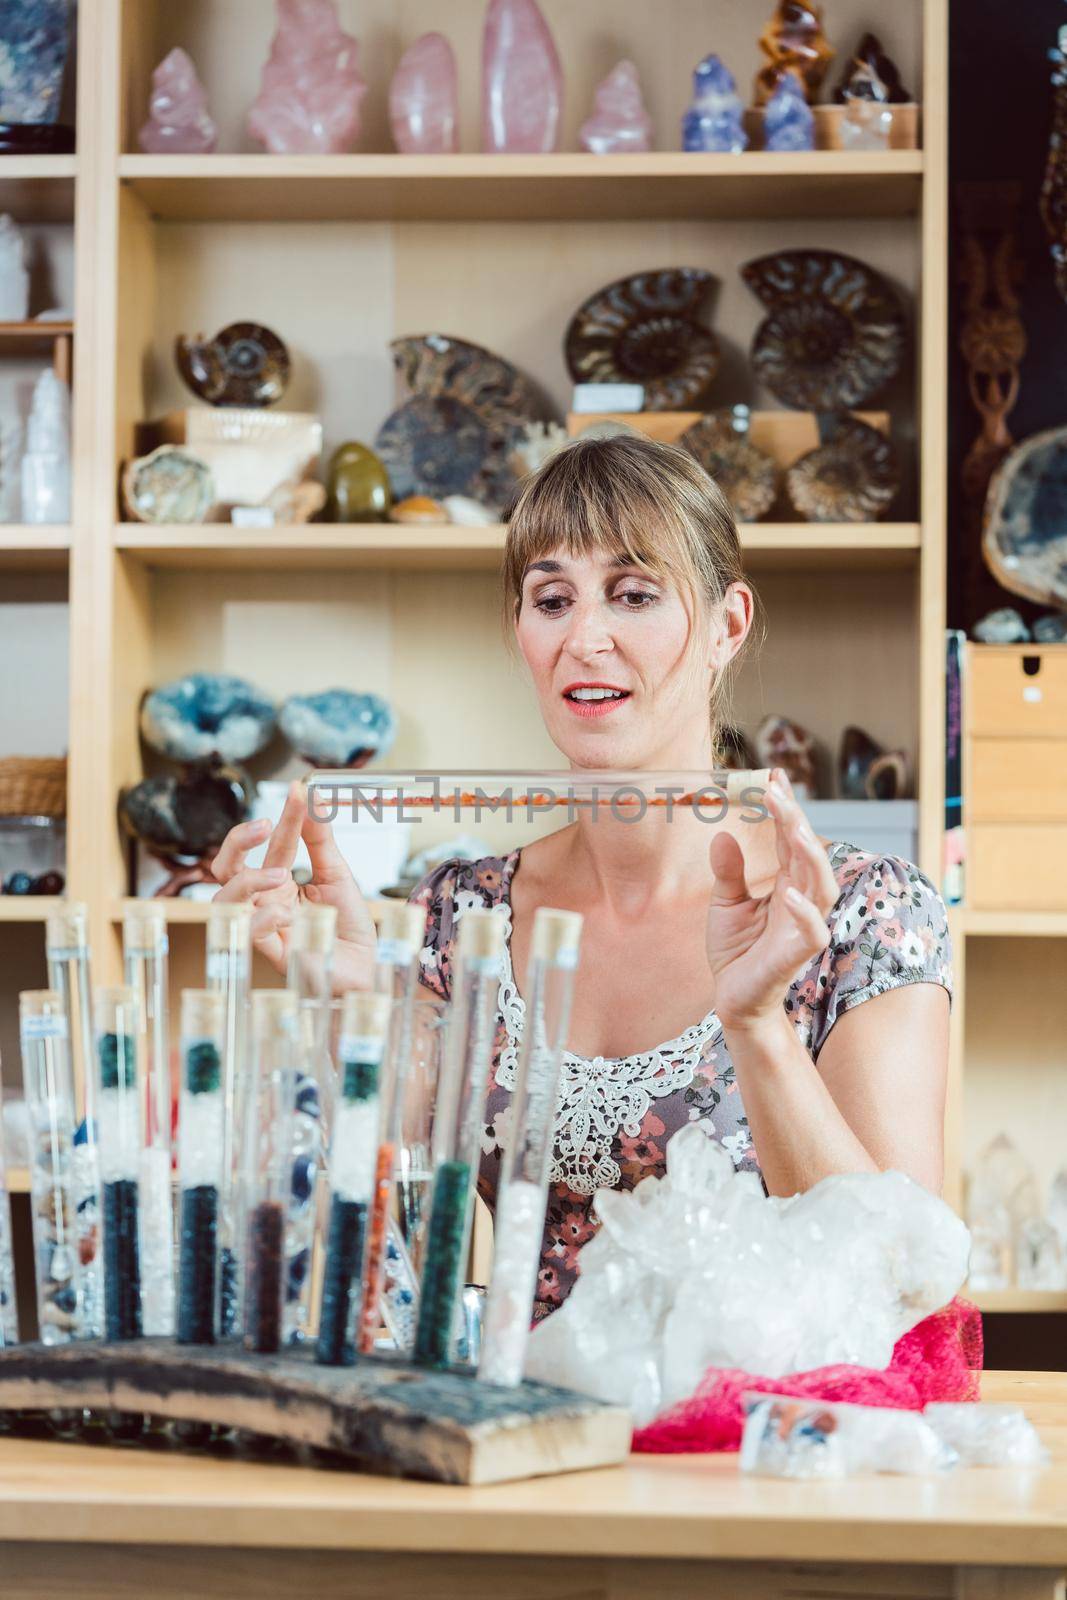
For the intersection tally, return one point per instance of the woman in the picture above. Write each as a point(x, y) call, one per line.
point(788, 992)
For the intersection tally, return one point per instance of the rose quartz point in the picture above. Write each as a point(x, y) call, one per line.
point(522, 80)
point(308, 103)
point(178, 121)
point(619, 121)
point(423, 98)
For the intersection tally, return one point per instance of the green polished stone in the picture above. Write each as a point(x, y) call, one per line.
point(358, 488)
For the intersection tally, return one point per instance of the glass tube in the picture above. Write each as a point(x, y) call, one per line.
point(383, 795)
point(308, 976)
point(522, 1191)
point(201, 1150)
point(458, 1118)
point(145, 945)
point(9, 1326)
point(119, 1110)
point(401, 928)
point(229, 966)
point(67, 950)
point(267, 1164)
point(48, 1084)
point(354, 1140)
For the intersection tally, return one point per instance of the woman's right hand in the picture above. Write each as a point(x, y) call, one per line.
point(274, 892)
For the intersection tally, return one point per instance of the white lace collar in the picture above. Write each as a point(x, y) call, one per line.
point(601, 1097)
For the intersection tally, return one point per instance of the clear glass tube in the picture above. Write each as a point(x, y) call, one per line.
point(9, 1326)
point(229, 967)
point(201, 1154)
point(354, 1140)
point(120, 1119)
point(267, 1164)
point(67, 951)
point(401, 927)
point(309, 977)
point(458, 1117)
point(48, 1084)
point(522, 1190)
point(145, 946)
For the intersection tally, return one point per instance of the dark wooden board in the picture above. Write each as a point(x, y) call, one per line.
point(380, 1415)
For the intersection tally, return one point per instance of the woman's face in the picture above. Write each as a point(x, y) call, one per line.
point(606, 645)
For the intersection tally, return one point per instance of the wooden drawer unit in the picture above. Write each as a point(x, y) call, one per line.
point(1015, 777)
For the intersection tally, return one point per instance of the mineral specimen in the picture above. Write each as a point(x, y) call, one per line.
point(522, 80)
point(619, 122)
point(423, 98)
point(309, 99)
point(178, 120)
point(713, 119)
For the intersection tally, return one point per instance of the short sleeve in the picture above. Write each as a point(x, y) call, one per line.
point(888, 928)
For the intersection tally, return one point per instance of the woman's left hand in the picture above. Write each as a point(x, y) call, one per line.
point(756, 947)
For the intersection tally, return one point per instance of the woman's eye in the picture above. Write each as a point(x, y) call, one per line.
point(551, 604)
point(637, 599)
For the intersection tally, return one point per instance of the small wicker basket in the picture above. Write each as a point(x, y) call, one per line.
point(33, 786)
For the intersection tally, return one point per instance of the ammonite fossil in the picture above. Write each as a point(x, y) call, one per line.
point(1024, 528)
point(243, 365)
point(468, 410)
point(835, 332)
point(852, 477)
point(747, 477)
point(644, 329)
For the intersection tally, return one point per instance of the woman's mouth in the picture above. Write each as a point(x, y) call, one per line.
point(594, 699)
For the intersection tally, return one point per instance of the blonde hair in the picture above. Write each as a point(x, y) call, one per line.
point(650, 503)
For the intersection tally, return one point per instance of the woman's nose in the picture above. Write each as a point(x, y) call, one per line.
point(589, 634)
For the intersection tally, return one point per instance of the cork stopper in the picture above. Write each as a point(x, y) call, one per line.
point(556, 936)
point(402, 922)
point(738, 782)
point(68, 929)
point(144, 926)
point(229, 925)
point(365, 1015)
point(313, 929)
point(481, 935)
point(203, 1013)
point(40, 1003)
point(273, 1011)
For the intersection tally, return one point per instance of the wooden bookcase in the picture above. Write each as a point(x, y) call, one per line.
point(342, 253)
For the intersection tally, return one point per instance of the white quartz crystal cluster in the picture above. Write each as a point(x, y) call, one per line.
point(700, 1269)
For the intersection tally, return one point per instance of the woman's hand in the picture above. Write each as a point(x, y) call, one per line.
point(756, 947)
point(274, 892)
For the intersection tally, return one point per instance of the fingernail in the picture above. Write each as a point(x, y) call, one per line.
point(794, 896)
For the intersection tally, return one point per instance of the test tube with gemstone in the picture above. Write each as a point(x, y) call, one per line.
point(144, 943)
point(9, 1327)
point(458, 1117)
point(267, 1164)
point(401, 927)
point(354, 1139)
point(201, 1128)
point(522, 1192)
point(229, 965)
point(308, 975)
point(67, 950)
point(119, 1111)
point(48, 1084)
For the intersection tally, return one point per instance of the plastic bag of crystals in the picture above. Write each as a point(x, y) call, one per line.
point(789, 1438)
point(987, 1435)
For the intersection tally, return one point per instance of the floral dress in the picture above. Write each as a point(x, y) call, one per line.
point(888, 927)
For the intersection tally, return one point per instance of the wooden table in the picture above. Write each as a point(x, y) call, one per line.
point(83, 1523)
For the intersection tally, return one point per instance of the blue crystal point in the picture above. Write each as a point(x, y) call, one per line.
point(713, 120)
point(788, 120)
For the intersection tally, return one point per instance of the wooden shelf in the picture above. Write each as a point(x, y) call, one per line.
point(517, 188)
point(174, 910)
point(399, 546)
point(28, 547)
point(1030, 1300)
point(29, 907)
point(1014, 924)
point(38, 188)
point(18, 1180)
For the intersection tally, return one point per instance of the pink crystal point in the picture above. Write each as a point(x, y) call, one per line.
point(178, 121)
point(308, 102)
point(423, 98)
point(522, 80)
point(619, 121)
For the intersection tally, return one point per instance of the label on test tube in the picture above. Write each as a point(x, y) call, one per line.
point(361, 1047)
point(398, 952)
point(53, 1026)
point(143, 950)
point(567, 959)
point(65, 952)
point(225, 964)
point(483, 966)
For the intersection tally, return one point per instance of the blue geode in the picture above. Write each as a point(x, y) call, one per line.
point(338, 728)
point(34, 41)
point(188, 815)
point(207, 714)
